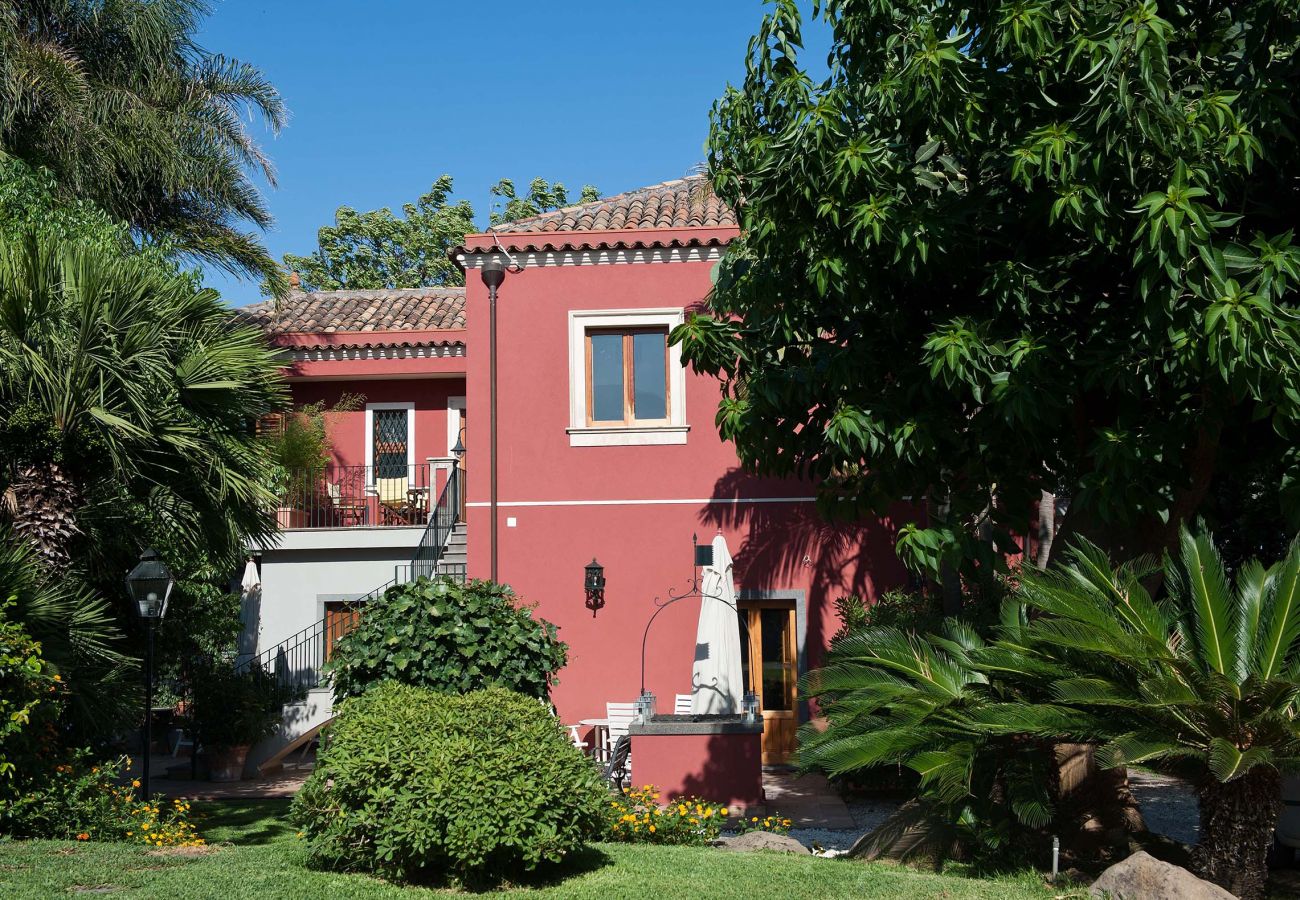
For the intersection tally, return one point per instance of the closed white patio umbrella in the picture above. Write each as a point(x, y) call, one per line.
point(250, 597)
point(717, 687)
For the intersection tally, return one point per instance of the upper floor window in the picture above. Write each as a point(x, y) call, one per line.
point(626, 384)
point(627, 376)
point(390, 441)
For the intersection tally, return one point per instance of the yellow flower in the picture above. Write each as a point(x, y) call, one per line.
point(652, 829)
point(135, 782)
point(723, 811)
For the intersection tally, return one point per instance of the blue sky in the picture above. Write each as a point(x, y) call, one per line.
point(386, 95)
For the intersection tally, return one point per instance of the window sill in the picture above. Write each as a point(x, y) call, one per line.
point(628, 435)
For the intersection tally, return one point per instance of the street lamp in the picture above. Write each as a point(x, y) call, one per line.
point(150, 585)
point(493, 274)
point(594, 585)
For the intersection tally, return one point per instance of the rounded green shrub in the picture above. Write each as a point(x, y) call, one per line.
point(440, 634)
point(413, 784)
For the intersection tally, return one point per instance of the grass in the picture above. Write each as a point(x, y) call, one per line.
point(258, 855)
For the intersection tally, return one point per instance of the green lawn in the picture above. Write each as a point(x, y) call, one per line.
point(259, 855)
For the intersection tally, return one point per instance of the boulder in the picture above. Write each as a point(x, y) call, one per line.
point(763, 840)
point(1143, 877)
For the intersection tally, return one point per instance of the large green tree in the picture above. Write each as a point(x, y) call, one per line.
point(119, 101)
point(1011, 248)
point(378, 249)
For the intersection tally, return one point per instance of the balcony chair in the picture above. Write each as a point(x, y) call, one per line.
point(350, 510)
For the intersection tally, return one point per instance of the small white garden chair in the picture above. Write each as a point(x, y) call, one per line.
point(620, 716)
point(683, 705)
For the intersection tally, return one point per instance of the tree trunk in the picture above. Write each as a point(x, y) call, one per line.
point(1237, 822)
point(1096, 810)
point(1046, 528)
point(42, 503)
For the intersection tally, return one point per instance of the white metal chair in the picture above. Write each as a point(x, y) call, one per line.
point(576, 738)
point(620, 716)
point(683, 705)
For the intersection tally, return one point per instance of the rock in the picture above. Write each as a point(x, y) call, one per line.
point(1143, 877)
point(763, 840)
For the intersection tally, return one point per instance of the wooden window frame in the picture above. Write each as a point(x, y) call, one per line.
point(629, 377)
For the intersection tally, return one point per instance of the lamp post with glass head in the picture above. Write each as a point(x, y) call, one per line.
point(150, 585)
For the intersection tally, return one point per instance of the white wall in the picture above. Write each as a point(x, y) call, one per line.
point(297, 580)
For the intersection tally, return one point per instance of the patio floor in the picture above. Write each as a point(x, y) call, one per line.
point(284, 783)
point(809, 800)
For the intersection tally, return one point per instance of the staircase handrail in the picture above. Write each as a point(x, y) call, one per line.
point(442, 521)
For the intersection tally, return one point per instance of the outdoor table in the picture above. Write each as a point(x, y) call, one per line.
point(601, 736)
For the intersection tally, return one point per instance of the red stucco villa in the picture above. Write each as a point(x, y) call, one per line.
point(605, 448)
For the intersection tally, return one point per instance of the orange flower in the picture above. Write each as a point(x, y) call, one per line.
point(83, 836)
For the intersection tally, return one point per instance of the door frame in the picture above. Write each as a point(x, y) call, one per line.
point(800, 633)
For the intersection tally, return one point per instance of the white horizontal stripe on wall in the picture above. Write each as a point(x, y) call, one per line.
point(690, 501)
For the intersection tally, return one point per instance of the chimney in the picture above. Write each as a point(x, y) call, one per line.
point(295, 283)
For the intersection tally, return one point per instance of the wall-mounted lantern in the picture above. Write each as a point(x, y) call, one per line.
point(594, 585)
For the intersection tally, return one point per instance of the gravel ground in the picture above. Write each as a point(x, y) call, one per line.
point(866, 816)
point(1168, 805)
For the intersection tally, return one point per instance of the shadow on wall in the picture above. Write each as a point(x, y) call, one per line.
point(790, 545)
point(732, 769)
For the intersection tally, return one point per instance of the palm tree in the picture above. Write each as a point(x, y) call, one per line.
point(128, 111)
point(1207, 679)
point(79, 637)
point(126, 393)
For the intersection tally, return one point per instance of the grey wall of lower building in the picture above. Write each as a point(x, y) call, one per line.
point(295, 584)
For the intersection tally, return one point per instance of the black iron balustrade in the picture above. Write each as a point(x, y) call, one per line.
point(446, 513)
point(356, 496)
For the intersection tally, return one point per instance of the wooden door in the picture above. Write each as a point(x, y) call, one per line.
point(340, 618)
point(770, 654)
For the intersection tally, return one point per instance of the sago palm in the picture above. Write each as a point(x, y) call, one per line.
point(1207, 678)
point(120, 102)
point(926, 703)
point(126, 394)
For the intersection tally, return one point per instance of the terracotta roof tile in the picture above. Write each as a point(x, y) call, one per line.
point(684, 203)
point(335, 312)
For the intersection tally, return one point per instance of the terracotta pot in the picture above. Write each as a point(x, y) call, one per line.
point(227, 764)
point(288, 517)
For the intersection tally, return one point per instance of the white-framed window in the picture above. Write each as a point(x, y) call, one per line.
point(626, 383)
point(390, 441)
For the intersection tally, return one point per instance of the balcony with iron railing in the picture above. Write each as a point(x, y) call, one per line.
point(298, 661)
point(363, 496)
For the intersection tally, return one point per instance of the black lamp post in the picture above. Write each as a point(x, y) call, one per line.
point(493, 274)
point(594, 585)
point(150, 584)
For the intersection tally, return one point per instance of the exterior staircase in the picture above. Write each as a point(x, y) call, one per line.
point(298, 660)
point(452, 562)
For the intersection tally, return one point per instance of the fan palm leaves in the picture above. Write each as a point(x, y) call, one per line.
point(78, 633)
point(118, 100)
point(127, 392)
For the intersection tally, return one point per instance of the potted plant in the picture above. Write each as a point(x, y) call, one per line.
point(234, 710)
point(301, 450)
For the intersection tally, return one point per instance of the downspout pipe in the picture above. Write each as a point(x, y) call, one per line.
point(493, 274)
